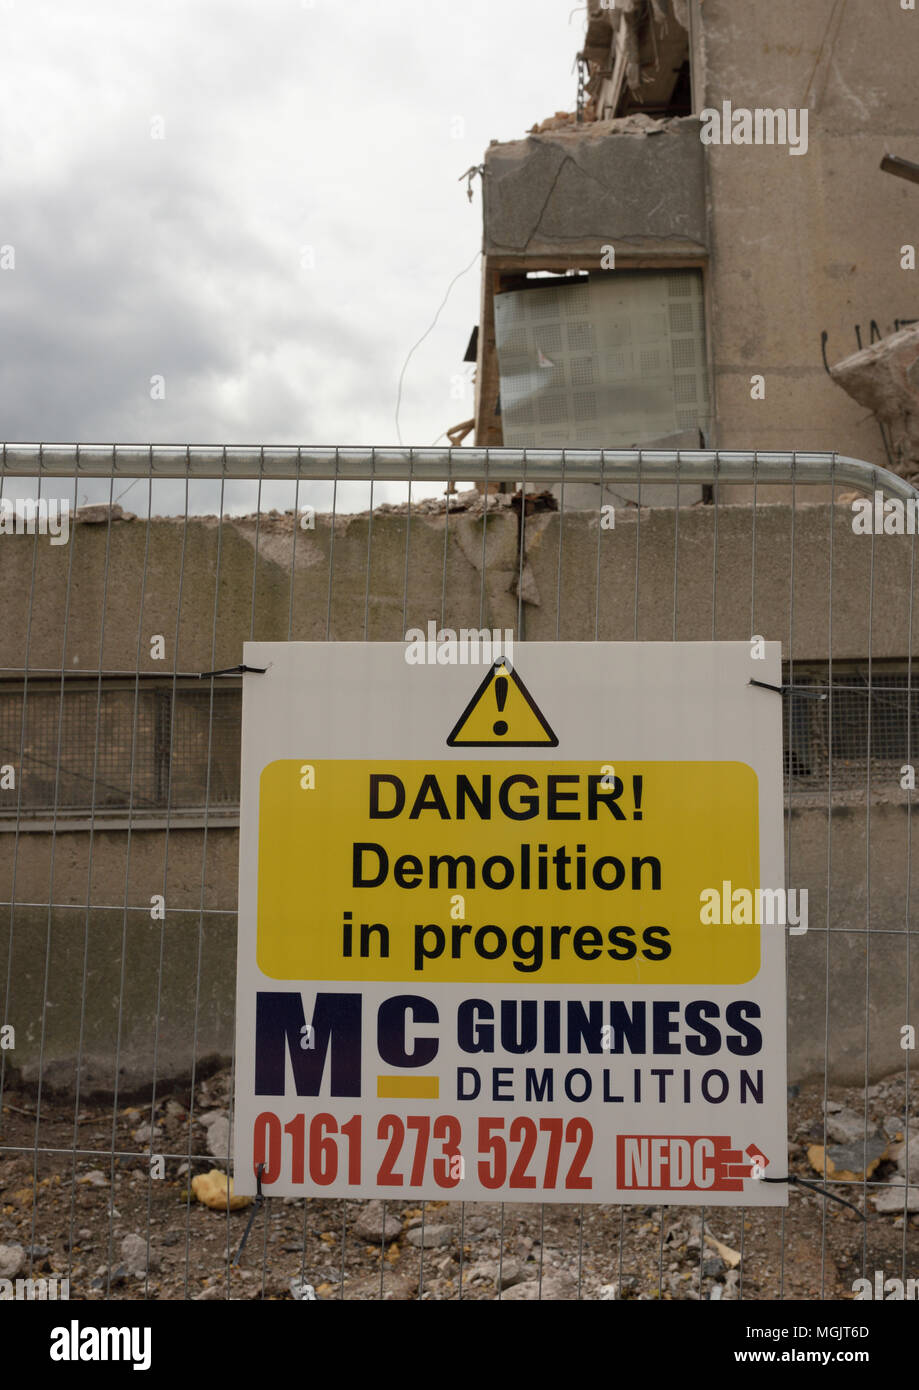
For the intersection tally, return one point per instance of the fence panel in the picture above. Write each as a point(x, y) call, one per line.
point(119, 794)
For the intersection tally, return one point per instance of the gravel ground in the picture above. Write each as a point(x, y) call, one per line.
point(117, 1233)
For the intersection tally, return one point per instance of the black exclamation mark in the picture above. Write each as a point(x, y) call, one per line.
point(636, 792)
point(500, 725)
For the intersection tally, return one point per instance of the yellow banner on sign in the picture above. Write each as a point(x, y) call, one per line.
point(499, 872)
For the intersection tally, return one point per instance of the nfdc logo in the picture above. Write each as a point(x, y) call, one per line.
point(692, 1163)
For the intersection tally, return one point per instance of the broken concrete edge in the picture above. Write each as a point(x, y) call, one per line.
point(471, 504)
point(564, 128)
point(565, 124)
point(98, 513)
point(884, 378)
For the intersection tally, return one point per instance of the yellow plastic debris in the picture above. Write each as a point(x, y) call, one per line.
point(211, 1189)
point(731, 1257)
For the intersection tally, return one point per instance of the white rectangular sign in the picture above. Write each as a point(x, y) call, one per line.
point(511, 922)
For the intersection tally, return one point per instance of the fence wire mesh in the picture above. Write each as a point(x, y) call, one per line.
point(119, 792)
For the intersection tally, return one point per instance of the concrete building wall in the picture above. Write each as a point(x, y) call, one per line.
point(801, 254)
point(803, 246)
point(95, 978)
point(570, 190)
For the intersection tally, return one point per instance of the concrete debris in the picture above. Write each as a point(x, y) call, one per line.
point(636, 123)
point(885, 379)
point(556, 1286)
point(510, 1273)
point(473, 502)
point(562, 119)
point(135, 1257)
point(144, 1133)
point(727, 1291)
point(430, 1237)
point(218, 1138)
point(893, 1198)
point(12, 1258)
point(95, 1178)
point(210, 1294)
point(815, 1252)
point(906, 1156)
point(99, 513)
point(210, 1117)
point(373, 1227)
point(846, 1127)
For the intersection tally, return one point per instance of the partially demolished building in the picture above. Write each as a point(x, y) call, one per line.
point(685, 256)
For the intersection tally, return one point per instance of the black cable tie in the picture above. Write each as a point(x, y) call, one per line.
point(781, 689)
point(815, 1187)
point(234, 671)
point(259, 1199)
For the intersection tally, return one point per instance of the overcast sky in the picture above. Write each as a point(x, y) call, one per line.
point(274, 256)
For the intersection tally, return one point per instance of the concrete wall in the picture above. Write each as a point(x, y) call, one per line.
point(575, 188)
point(806, 245)
point(91, 976)
point(801, 254)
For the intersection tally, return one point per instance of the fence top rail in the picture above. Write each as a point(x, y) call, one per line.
point(435, 464)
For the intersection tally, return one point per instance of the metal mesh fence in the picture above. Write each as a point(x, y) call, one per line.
point(155, 748)
point(120, 781)
point(181, 744)
point(863, 724)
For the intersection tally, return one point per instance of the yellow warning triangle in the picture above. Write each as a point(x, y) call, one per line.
point(502, 712)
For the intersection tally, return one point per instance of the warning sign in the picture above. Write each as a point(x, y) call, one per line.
point(500, 913)
point(502, 711)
